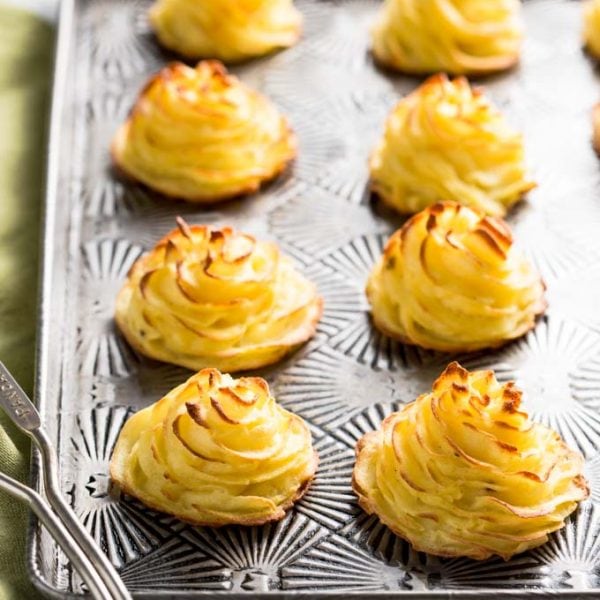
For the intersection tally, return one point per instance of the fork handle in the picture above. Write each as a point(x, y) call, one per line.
point(104, 567)
point(23, 412)
point(79, 560)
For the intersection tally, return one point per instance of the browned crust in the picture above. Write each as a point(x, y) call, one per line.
point(509, 63)
point(379, 193)
point(228, 61)
point(484, 554)
point(286, 349)
point(466, 348)
point(122, 171)
point(582, 483)
point(280, 514)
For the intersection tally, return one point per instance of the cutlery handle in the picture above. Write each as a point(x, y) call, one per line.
point(79, 560)
point(25, 415)
point(16, 403)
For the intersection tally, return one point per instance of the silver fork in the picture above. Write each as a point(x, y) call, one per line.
point(92, 564)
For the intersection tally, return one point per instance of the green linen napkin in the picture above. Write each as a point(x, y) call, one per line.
point(26, 46)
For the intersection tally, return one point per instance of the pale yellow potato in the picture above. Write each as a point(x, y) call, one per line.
point(201, 135)
point(230, 30)
point(447, 141)
point(591, 27)
point(218, 298)
point(452, 280)
point(462, 471)
point(461, 37)
point(216, 451)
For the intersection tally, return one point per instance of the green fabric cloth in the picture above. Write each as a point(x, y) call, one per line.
point(26, 47)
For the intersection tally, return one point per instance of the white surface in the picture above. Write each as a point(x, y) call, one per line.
point(48, 9)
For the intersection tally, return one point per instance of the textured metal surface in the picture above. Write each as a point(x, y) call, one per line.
point(349, 377)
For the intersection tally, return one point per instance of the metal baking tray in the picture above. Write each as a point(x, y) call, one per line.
point(346, 379)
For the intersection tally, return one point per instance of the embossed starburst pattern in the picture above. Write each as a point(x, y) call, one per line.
point(592, 474)
point(311, 223)
point(101, 349)
point(462, 573)
point(280, 82)
point(437, 573)
point(329, 388)
point(333, 35)
point(172, 562)
point(254, 556)
point(572, 557)
point(339, 164)
point(330, 500)
point(102, 193)
point(119, 38)
point(367, 420)
point(566, 300)
point(148, 383)
point(336, 565)
point(125, 529)
point(556, 245)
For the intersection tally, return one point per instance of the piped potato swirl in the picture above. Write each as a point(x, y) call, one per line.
point(451, 280)
point(230, 30)
point(201, 135)
point(462, 37)
point(462, 471)
point(216, 297)
point(447, 141)
point(216, 451)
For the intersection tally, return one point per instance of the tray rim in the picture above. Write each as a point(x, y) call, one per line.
point(60, 72)
point(66, 11)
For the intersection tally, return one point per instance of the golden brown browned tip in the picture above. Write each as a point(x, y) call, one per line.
point(183, 227)
point(490, 241)
point(195, 412)
point(454, 368)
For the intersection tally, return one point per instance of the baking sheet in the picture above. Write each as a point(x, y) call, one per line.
point(349, 377)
